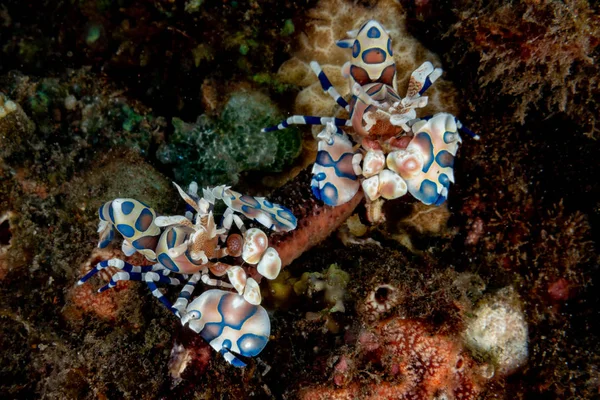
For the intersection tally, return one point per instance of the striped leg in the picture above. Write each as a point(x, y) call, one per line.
point(215, 282)
point(151, 279)
point(186, 293)
point(464, 129)
point(461, 128)
point(422, 78)
point(308, 120)
point(327, 86)
point(160, 276)
point(120, 264)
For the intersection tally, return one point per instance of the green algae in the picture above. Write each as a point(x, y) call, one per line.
point(288, 28)
point(217, 151)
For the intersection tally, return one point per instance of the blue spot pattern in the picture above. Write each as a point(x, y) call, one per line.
point(212, 330)
point(111, 213)
point(373, 33)
point(140, 224)
point(171, 238)
point(237, 363)
point(314, 184)
point(145, 242)
point(427, 192)
point(424, 138)
point(287, 215)
point(226, 345)
point(126, 230)
point(324, 159)
point(167, 262)
point(440, 200)
point(444, 180)
point(389, 46)
point(445, 159)
point(127, 207)
point(356, 49)
point(256, 342)
point(449, 137)
point(251, 201)
point(328, 194)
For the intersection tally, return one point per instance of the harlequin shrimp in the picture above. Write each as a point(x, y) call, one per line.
point(387, 151)
point(189, 247)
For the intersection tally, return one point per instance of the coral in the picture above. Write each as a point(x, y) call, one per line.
point(414, 363)
point(381, 300)
point(218, 151)
point(331, 282)
point(564, 244)
point(516, 231)
point(507, 225)
point(110, 305)
point(192, 6)
point(7, 106)
point(86, 300)
point(328, 22)
point(280, 290)
point(539, 55)
point(498, 331)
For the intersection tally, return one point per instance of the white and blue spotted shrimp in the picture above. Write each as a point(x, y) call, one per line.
point(189, 247)
point(385, 128)
point(135, 222)
point(427, 163)
point(229, 324)
point(334, 181)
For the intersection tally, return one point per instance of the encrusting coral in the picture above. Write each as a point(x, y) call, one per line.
point(327, 23)
point(414, 364)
